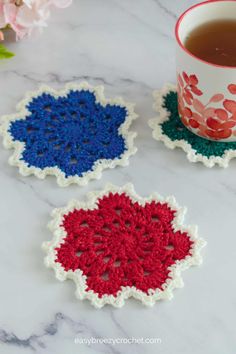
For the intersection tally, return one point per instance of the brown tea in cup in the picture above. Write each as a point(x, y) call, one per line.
point(214, 42)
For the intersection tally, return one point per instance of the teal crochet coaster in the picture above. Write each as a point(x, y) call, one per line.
point(169, 129)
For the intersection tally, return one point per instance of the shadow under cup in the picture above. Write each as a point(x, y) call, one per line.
point(206, 91)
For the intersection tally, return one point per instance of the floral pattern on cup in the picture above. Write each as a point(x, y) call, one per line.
point(215, 119)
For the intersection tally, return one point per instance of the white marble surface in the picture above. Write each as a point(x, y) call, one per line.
point(128, 46)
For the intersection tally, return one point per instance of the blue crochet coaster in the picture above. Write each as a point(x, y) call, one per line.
point(73, 134)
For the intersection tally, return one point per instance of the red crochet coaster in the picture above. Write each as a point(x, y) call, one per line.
point(118, 245)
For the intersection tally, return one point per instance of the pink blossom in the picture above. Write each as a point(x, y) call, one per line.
point(27, 16)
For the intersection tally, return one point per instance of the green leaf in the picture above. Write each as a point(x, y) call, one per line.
point(4, 53)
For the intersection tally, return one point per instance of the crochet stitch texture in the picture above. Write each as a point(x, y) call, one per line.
point(120, 245)
point(73, 134)
point(169, 129)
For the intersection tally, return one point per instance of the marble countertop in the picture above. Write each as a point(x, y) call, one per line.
point(128, 46)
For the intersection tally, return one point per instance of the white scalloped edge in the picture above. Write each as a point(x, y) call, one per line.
point(77, 276)
point(99, 166)
point(192, 154)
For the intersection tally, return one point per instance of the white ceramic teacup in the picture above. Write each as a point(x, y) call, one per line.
point(206, 92)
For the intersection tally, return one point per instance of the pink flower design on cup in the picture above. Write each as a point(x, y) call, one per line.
point(215, 119)
point(207, 103)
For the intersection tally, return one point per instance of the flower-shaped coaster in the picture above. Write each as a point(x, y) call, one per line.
point(118, 245)
point(73, 134)
point(169, 129)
